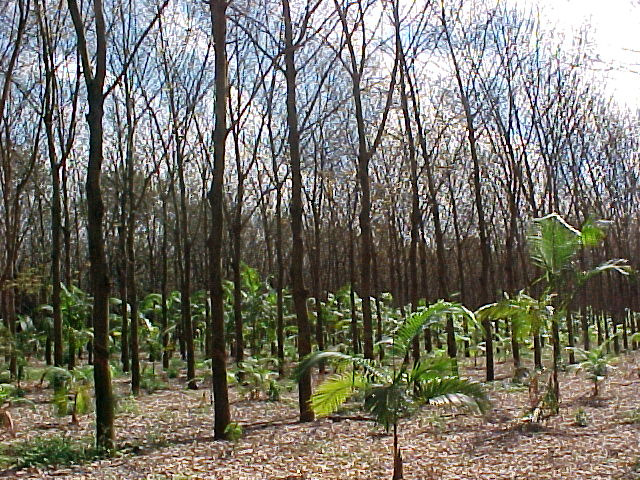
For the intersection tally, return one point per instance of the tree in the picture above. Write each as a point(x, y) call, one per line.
point(366, 149)
point(99, 271)
point(222, 417)
point(472, 136)
point(100, 284)
point(297, 248)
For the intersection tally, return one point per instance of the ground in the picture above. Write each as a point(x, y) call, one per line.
point(168, 435)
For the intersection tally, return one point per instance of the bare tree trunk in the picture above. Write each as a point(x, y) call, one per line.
point(185, 284)
point(56, 208)
point(296, 209)
point(99, 274)
point(165, 314)
point(222, 417)
point(479, 204)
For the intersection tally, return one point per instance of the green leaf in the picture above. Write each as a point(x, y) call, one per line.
point(370, 367)
point(416, 322)
point(332, 393)
point(456, 392)
point(592, 233)
point(388, 403)
point(617, 265)
point(553, 243)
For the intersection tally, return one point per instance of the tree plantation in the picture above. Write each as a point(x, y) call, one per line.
point(314, 239)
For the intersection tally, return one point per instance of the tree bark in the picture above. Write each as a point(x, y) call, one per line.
point(222, 416)
point(296, 209)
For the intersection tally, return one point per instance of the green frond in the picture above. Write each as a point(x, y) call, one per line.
point(553, 243)
point(332, 393)
point(430, 368)
point(388, 403)
point(416, 322)
point(617, 265)
point(455, 392)
point(527, 314)
point(370, 367)
point(592, 233)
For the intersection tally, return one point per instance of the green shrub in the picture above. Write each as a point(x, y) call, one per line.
point(581, 419)
point(233, 432)
point(632, 416)
point(50, 452)
point(151, 383)
point(274, 391)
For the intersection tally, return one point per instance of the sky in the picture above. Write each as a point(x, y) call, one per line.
point(615, 32)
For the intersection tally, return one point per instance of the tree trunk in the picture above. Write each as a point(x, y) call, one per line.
point(297, 247)
point(222, 417)
point(164, 280)
point(479, 204)
point(98, 270)
point(185, 284)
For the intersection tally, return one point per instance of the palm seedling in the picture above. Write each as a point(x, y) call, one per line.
point(554, 247)
point(595, 363)
point(71, 390)
point(397, 390)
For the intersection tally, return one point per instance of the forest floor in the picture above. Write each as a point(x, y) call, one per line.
point(168, 435)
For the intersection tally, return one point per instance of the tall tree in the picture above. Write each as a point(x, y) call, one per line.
point(296, 210)
point(366, 150)
point(99, 272)
point(222, 417)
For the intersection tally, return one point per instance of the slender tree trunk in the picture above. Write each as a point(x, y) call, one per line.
point(222, 416)
point(56, 220)
point(185, 284)
point(479, 203)
point(123, 281)
point(163, 288)
point(236, 235)
point(132, 300)
point(297, 248)
point(99, 272)
point(355, 336)
point(130, 253)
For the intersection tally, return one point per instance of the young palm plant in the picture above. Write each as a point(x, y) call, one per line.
point(526, 315)
point(397, 390)
point(554, 247)
point(595, 362)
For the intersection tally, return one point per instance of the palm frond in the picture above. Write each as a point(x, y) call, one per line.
point(388, 403)
point(416, 322)
point(370, 367)
point(617, 265)
point(455, 392)
point(430, 368)
point(553, 243)
point(332, 393)
point(526, 313)
point(592, 233)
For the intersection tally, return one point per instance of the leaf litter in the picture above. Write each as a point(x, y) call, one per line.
point(168, 435)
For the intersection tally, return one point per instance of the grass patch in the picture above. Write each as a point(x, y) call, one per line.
point(127, 405)
point(50, 452)
point(631, 417)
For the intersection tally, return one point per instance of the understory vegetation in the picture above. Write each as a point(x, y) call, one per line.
point(316, 239)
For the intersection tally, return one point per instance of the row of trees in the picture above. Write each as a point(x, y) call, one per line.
point(394, 148)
